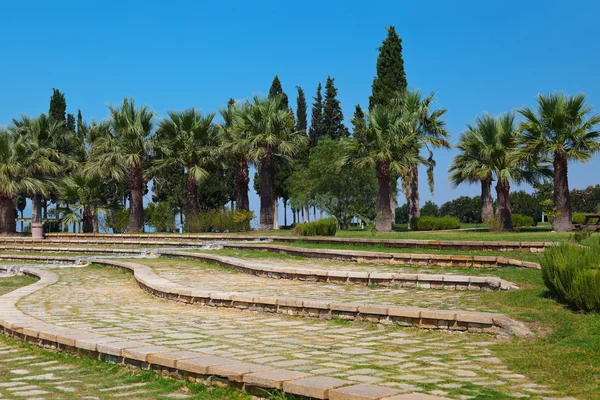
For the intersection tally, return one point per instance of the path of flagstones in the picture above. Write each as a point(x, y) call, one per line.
point(456, 365)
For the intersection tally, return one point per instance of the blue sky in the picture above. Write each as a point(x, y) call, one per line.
point(477, 56)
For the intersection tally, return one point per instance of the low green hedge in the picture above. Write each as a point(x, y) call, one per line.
point(322, 227)
point(435, 223)
point(520, 221)
point(578, 218)
point(572, 273)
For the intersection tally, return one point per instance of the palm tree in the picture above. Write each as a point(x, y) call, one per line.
point(81, 192)
point(10, 184)
point(267, 131)
point(35, 149)
point(122, 152)
point(236, 152)
point(564, 128)
point(386, 143)
point(183, 141)
point(431, 132)
point(467, 168)
point(492, 144)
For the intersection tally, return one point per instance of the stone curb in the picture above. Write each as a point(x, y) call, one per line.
point(396, 243)
point(456, 320)
point(425, 281)
point(193, 366)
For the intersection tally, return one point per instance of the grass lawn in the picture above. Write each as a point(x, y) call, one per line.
point(14, 282)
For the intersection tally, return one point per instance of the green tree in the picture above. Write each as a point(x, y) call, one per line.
point(70, 123)
point(122, 153)
point(564, 128)
point(391, 77)
point(358, 121)
point(385, 147)
point(83, 194)
point(316, 122)
point(430, 209)
point(160, 217)
point(276, 90)
point(268, 133)
point(301, 118)
point(11, 183)
point(332, 122)
point(183, 141)
point(58, 107)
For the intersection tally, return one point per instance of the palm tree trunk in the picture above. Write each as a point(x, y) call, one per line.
point(307, 214)
point(384, 220)
point(242, 179)
point(276, 213)
point(487, 203)
point(36, 209)
point(562, 199)
point(191, 197)
point(8, 223)
point(88, 217)
point(95, 222)
point(503, 210)
point(412, 195)
point(267, 196)
point(284, 211)
point(136, 202)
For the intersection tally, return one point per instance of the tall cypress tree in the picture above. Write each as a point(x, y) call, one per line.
point(358, 120)
point(390, 70)
point(80, 128)
point(301, 119)
point(71, 122)
point(316, 121)
point(333, 117)
point(58, 106)
point(277, 90)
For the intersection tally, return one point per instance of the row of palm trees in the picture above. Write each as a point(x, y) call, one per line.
point(559, 129)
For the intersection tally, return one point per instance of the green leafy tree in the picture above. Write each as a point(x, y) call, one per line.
point(71, 126)
point(268, 133)
point(332, 122)
point(391, 77)
point(564, 128)
point(316, 122)
point(358, 121)
point(430, 209)
point(58, 107)
point(301, 117)
point(183, 141)
point(11, 183)
point(122, 153)
point(83, 194)
point(160, 217)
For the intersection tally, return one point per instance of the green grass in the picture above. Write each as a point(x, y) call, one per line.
point(14, 282)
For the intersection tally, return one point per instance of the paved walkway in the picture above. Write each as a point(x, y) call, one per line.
point(453, 364)
point(206, 276)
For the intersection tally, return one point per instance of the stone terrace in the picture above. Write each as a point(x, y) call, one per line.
point(442, 363)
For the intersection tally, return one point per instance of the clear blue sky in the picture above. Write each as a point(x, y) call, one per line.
point(477, 56)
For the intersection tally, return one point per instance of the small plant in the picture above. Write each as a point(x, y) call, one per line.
point(578, 218)
point(494, 225)
point(322, 227)
point(549, 210)
point(572, 273)
point(519, 221)
point(581, 236)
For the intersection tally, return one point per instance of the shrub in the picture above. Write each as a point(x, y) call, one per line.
point(322, 227)
point(578, 218)
point(160, 217)
point(572, 273)
point(224, 220)
point(437, 223)
point(401, 214)
point(520, 221)
point(430, 209)
point(494, 225)
point(526, 204)
point(466, 209)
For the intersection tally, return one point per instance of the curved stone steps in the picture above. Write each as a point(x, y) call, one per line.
point(193, 365)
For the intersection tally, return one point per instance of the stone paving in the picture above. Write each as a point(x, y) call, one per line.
point(207, 276)
point(456, 365)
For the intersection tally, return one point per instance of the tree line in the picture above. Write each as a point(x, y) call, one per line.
point(197, 164)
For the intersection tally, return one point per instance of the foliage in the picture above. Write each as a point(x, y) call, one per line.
point(494, 225)
point(466, 209)
point(221, 220)
point(276, 91)
point(160, 217)
point(316, 122)
point(332, 124)
point(520, 221)
point(586, 200)
point(322, 227)
point(578, 218)
point(572, 273)
point(401, 214)
point(430, 209)
point(391, 77)
point(301, 119)
point(527, 204)
point(427, 223)
point(118, 220)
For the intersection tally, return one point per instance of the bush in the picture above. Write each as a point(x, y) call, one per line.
point(466, 209)
point(520, 221)
point(322, 227)
point(220, 221)
point(572, 273)
point(436, 223)
point(401, 214)
point(494, 225)
point(160, 217)
point(578, 218)
point(430, 209)
point(526, 204)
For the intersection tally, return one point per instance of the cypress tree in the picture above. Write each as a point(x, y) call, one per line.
point(390, 77)
point(301, 119)
point(277, 90)
point(358, 121)
point(58, 106)
point(80, 127)
point(71, 122)
point(333, 117)
point(316, 122)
